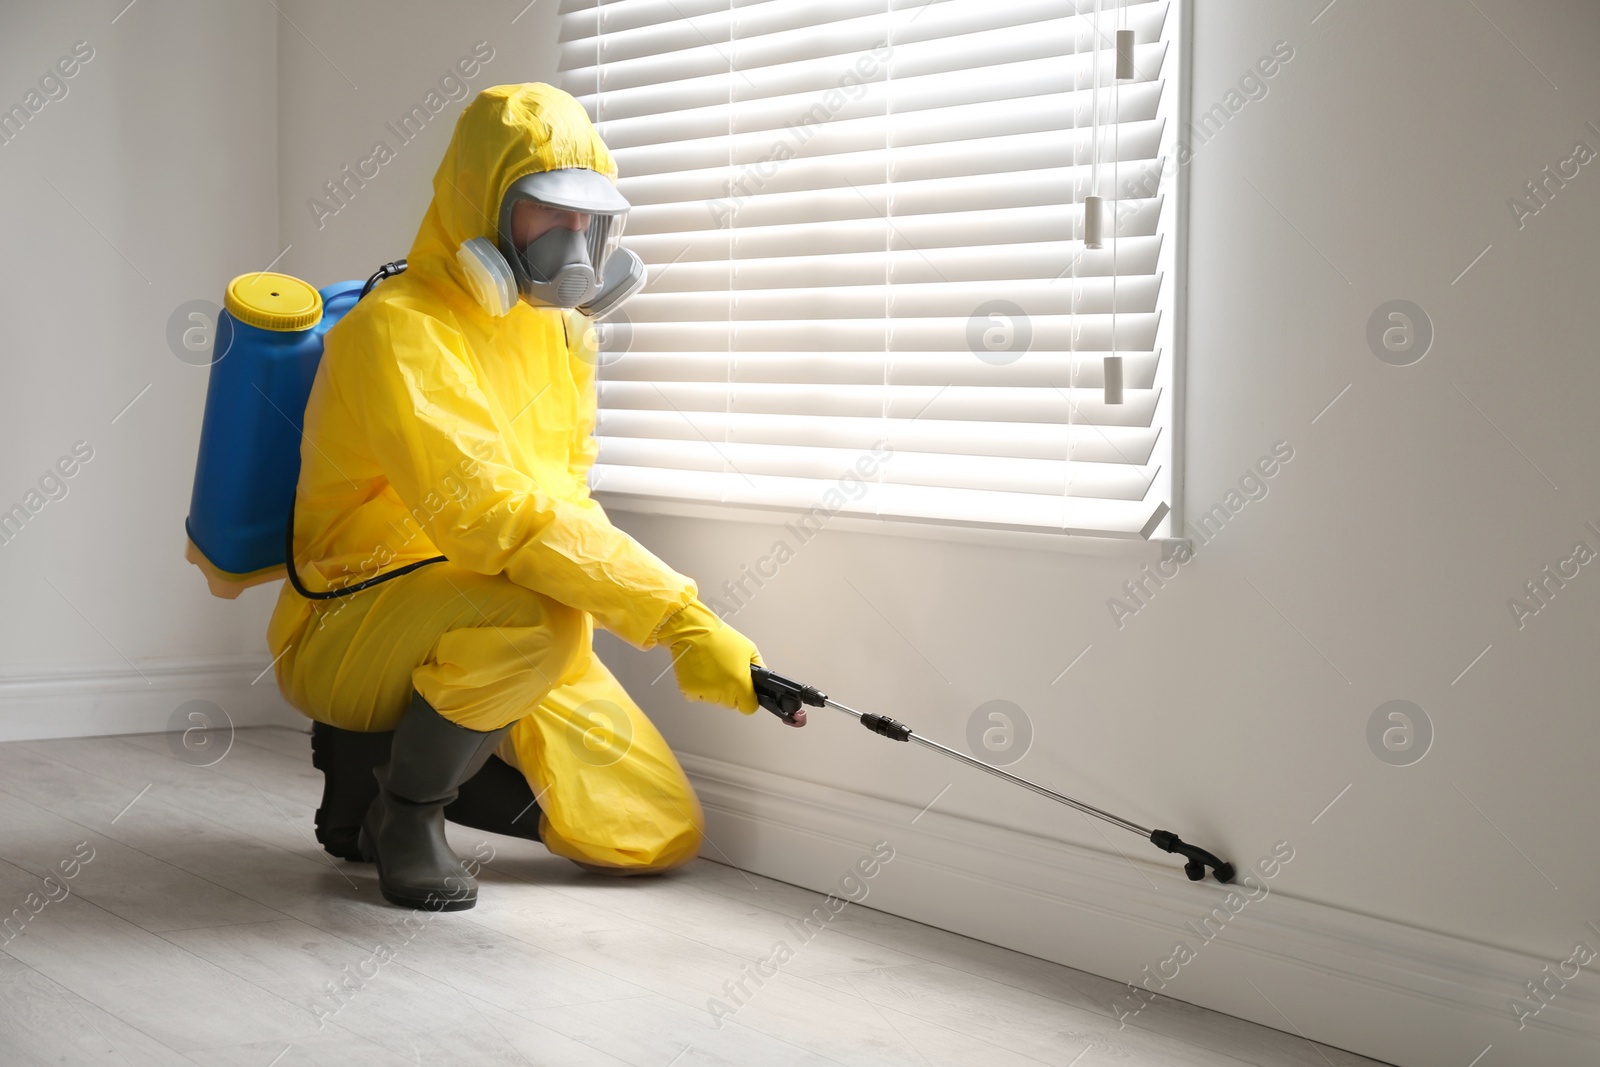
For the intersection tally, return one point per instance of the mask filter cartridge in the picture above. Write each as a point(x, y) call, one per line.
point(488, 275)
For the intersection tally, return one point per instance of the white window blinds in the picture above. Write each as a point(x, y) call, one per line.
point(864, 223)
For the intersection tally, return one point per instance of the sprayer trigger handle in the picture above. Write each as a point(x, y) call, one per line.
point(783, 696)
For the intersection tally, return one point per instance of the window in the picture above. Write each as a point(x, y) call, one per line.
point(864, 223)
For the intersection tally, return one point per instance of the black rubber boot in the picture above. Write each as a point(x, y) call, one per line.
point(403, 832)
point(346, 759)
point(496, 799)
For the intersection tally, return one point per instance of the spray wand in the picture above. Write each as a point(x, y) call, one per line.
point(784, 696)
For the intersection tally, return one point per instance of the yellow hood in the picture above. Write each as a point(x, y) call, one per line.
point(505, 133)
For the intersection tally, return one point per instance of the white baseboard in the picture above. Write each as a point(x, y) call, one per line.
point(1396, 993)
point(75, 701)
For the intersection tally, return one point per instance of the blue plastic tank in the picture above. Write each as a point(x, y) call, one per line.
point(266, 348)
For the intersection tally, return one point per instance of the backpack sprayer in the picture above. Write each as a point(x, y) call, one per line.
point(240, 529)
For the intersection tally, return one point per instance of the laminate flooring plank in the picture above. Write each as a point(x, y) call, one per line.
point(451, 947)
point(243, 761)
point(333, 1049)
point(42, 1023)
point(533, 1042)
point(343, 985)
point(291, 741)
point(804, 1015)
point(121, 879)
point(920, 942)
point(228, 807)
point(179, 1000)
point(752, 930)
point(1021, 1022)
point(656, 1029)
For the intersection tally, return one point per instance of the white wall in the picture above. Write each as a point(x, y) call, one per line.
point(1232, 709)
point(341, 92)
point(149, 184)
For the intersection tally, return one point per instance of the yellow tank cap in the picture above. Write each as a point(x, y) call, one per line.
point(273, 301)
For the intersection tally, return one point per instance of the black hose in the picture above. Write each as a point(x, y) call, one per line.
point(388, 270)
point(294, 573)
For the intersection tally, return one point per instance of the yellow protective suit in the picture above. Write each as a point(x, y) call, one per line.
point(434, 428)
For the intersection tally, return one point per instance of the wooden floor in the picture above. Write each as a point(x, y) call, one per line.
point(206, 926)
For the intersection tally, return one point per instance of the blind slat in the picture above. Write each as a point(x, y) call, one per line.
point(1076, 515)
point(1055, 370)
point(1097, 444)
point(954, 403)
point(1006, 474)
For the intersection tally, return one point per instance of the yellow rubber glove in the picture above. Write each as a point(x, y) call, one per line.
point(710, 658)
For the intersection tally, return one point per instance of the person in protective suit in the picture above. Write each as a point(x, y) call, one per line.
point(452, 414)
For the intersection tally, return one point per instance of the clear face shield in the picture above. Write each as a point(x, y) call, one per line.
point(578, 262)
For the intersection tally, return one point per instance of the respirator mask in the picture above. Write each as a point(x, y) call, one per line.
point(562, 267)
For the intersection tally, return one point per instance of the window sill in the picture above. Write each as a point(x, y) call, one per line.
point(1156, 548)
